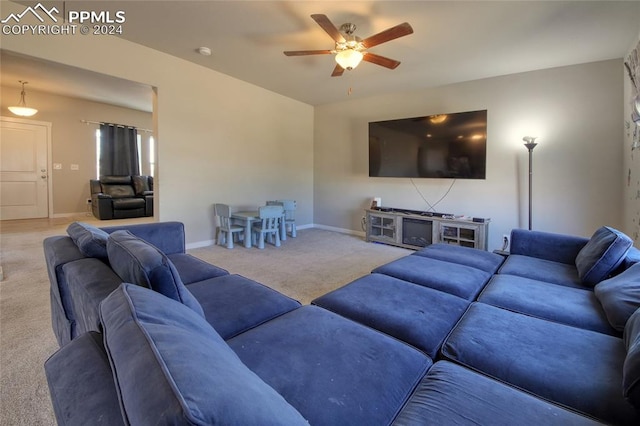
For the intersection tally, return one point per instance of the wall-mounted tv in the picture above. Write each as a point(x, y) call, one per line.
point(433, 146)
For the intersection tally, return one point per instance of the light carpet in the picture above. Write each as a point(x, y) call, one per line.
point(315, 262)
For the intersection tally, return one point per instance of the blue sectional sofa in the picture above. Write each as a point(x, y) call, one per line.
point(432, 338)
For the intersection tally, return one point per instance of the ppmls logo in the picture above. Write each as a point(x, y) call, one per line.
point(82, 21)
point(34, 12)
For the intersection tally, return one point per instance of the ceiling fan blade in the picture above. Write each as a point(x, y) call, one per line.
point(337, 71)
point(380, 60)
point(306, 52)
point(389, 34)
point(328, 26)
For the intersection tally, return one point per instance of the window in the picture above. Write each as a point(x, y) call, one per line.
point(152, 156)
point(144, 160)
point(97, 153)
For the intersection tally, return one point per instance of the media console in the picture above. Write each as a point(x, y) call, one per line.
point(416, 229)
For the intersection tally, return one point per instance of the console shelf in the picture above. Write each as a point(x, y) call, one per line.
point(415, 230)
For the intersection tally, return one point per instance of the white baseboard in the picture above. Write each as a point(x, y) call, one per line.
point(341, 230)
point(206, 243)
point(198, 244)
point(63, 215)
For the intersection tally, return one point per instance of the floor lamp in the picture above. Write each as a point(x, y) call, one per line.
point(530, 144)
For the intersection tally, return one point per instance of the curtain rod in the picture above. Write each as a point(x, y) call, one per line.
point(119, 125)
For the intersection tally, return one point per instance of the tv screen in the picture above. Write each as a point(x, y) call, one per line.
point(433, 146)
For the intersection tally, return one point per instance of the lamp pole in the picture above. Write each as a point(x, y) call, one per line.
point(530, 144)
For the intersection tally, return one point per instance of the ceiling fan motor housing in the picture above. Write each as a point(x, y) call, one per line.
point(350, 41)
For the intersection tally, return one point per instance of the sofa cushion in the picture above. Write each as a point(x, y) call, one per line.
point(171, 367)
point(193, 269)
point(453, 395)
point(418, 315)
point(141, 263)
point(567, 305)
point(602, 254)
point(620, 296)
point(89, 281)
point(542, 270)
point(459, 280)
point(631, 370)
point(480, 259)
point(580, 369)
point(91, 241)
point(233, 304)
point(334, 371)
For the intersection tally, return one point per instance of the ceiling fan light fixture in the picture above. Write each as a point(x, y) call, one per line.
point(22, 109)
point(349, 58)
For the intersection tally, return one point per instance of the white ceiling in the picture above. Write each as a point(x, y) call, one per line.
point(453, 41)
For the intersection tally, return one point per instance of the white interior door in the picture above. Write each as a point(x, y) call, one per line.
point(24, 188)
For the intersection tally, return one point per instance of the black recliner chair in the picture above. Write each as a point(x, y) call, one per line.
point(120, 197)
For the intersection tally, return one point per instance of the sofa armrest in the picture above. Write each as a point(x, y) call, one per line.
point(81, 384)
point(58, 251)
point(167, 236)
point(101, 205)
point(546, 245)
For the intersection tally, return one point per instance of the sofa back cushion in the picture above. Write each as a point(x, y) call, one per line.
point(138, 262)
point(631, 368)
point(601, 255)
point(171, 367)
point(140, 184)
point(91, 241)
point(620, 296)
point(117, 186)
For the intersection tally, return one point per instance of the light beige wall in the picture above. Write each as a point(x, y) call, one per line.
point(574, 110)
point(219, 139)
point(72, 142)
point(631, 160)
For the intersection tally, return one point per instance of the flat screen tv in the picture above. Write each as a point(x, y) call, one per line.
point(433, 146)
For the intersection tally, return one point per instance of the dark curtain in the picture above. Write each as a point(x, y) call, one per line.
point(118, 150)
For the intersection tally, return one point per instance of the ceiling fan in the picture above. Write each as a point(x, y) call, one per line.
point(351, 49)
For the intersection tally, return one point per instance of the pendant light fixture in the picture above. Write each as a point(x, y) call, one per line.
point(22, 109)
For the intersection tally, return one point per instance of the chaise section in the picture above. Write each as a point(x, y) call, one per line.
point(453, 395)
point(417, 315)
point(460, 280)
point(578, 307)
point(332, 370)
point(580, 369)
